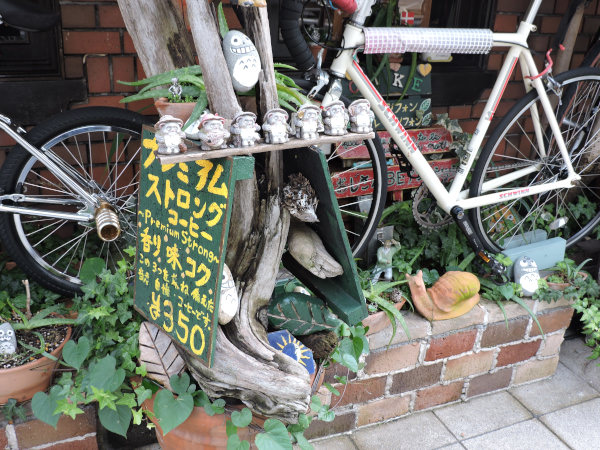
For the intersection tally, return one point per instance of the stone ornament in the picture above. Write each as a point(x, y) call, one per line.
point(335, 119)
point(284, 342)
point(527, 275)
point(307, 122)
point(169, 135)
point(244, 130)
point(361, 116)
point(307, 248)
point(229, 301)
point(8, 339)
point(212, 132)
point(242, 60)
point(275, 126)
point(300, 198)
point(385, 255)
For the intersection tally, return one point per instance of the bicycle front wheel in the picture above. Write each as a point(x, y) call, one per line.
point(514, 145)
point(100, 146)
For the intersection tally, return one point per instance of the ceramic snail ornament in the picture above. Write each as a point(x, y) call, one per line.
point(300, 198)
point(244, 130)
point(361, 116)
point(242, 60)
point(453, 295)
point(212, 132)
point(335, 119)
point(275, 126)
point(307, 122)
point(169, 135)
point(8, 339)
point(229, 302)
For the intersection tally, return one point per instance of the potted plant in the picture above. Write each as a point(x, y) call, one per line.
point(565, 273)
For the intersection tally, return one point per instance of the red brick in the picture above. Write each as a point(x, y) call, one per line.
point(450, 345)
point(468, 126)
point(6, 140)
point(91, 42)
point(459, 112)
point(519, 352)
point(141, 74)
point(73, 67)
point(438, 395)
point(123, 70)
point(505, 23)
point(469, 365)
point(551, 345)
point(490, 382)
point(547, 6)
point(128, 46)
point(535, 369)
point(232, 20)
point(102, 100)
point(393, 359)
point(98, 75)
point(550, 24)
point(539, 43)
point(341, 423)
point(380, 410)
point(498, 333)
point(511, 6)
point(359, 391)
point(552, 321)
point(417, 378)
point(88, 443)
point(78, 16)
point(110, 16)
point(3, 438)
point(495, 61)
point(437, 110)
point(335, 370)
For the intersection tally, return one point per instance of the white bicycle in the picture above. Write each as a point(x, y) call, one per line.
point(538, 171)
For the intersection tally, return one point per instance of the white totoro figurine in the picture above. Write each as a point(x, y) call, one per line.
point(229, 301)
point(8, 339)
point(242, 60)
point(307, 122)
point(244, 130)
point(212, 132)
point(526, 273)
point(275, 126)
point(169, 135)
point(361, 116)
point(335, 119)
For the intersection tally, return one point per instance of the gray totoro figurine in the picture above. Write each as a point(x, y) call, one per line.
point(8, 339)
point(275, 126)
point(361, 116)
point(335, 119)
point(244, 130)
point(242, 60)
point(307, 122)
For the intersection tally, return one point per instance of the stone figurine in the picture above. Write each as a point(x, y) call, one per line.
point(8, 339)
point(242, 60)
point(385, 255)
point(229, 301)
point(300, 198)
point(275, 126)
point(335, 119)
point(526, 273)
point(169, 135)
point(244, 130)
point(307, 122)
point(212, 132)
point(361, 116)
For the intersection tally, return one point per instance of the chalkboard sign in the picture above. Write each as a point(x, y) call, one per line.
point(183, 219)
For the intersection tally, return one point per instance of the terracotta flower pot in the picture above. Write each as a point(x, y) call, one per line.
point(378, 321)
point(562, 286)
point(22, 382)
point(182, 111)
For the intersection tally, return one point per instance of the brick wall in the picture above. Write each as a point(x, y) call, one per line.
point(446, 362)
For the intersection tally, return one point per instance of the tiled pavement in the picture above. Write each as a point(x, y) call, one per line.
point(557, 413)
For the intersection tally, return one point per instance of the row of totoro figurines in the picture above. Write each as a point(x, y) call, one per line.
point(306, 123)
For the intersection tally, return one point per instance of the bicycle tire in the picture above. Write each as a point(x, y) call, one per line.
point(511, 146)
point(51, 251)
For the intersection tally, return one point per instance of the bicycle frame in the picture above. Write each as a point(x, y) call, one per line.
point(346, 64)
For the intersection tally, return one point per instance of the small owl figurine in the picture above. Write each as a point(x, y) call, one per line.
point(307, 122)
point(335, 118)
point(361, 116)
point(244, 130)
point(8, 339)
point(276, 127)
point(212, 132)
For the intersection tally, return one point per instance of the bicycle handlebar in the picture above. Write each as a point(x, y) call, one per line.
point(289, 16)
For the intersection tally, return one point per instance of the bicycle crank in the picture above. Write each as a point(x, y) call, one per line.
point(107, 223)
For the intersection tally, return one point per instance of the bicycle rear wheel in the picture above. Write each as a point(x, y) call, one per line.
point(568, 213)
point(102, 145)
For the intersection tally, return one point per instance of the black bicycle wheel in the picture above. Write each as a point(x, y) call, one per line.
point(569, 213)
point(100, 144)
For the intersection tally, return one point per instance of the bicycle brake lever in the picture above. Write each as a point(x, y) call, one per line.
point(322, 77)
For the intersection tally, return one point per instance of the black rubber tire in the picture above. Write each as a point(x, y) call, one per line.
point(18, 159)
point(510, 216)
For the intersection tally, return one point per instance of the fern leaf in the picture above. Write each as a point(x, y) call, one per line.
point(159, 354)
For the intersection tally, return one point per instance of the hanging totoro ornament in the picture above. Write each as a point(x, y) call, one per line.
point(335, 119)
point(8, 339)
point(275, 126)
point(244, 130)
point(229, 301)
point(242, 60)
point(361, 116)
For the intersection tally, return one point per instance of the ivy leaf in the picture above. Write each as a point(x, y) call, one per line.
point(326, 415)
point(44, 407)
point(90, 269)
point(170, 411)
point(138, 415)
point(275, 436)
point(234, 443)
point(105, 399)
point(142, 394)
point(230, 428)
point(241, 418)
point(74, 354)
point(331, 389)
point(116, 420)
point(180, 383)
point(303, 442)
point(301, 314)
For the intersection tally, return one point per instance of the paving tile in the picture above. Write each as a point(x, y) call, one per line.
point(576, 425)
point(335, 443)
point(523, 435)
point(455, 446)
point(563, 389)
point(482, 414)
point(574, 354)
point(419, 431)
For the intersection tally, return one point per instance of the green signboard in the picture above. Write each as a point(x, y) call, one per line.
point(183, 218)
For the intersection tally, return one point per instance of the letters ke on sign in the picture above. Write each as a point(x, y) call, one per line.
point(183, 214)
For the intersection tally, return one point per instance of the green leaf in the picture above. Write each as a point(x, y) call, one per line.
point(43, 406)
point(74, 354)
point(241, 418)
point(117, 420)
point(233, 441)
point(331, 389)
point(326, 415)
point(180, 383)
point(302, 442)
point(201, 105)
point(301, 314)
point(230, 428)
point(223, 27)
point(90, 269)
point(104, 375)
point(315, 403)
point(275, 436)
point(170, 411)
point(142, 394)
